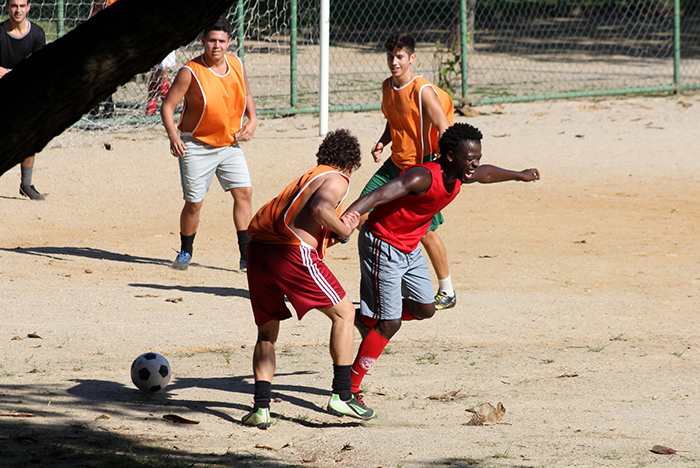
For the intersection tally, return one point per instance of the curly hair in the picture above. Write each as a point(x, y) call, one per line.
point(341, 150)
point(400, 40)
point(221, 24)
point(455, 135)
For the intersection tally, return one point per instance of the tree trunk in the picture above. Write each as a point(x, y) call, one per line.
point(55, 86)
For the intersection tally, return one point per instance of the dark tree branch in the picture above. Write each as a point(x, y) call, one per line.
point(54, 87)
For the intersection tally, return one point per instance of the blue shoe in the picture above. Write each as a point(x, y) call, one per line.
point(182, 262)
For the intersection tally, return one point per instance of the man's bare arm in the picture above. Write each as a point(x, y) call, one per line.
point(167, 112)
point(433, 108)
point(415, 180)
point(488, 174)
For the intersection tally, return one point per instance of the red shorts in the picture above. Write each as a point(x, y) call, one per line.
point(294, 271)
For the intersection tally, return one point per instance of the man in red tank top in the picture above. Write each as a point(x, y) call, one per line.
point(396, 284)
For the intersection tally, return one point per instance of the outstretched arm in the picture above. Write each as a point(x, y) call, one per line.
point(488, 174)
point(415, 180)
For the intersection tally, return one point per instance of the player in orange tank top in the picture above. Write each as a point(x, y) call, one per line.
point(417, 113)
point(288, 237)
point(217, 97)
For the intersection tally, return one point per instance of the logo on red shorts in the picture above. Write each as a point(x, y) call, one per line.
point(367, 362)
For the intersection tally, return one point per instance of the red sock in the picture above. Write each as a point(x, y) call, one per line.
point(370, 349)
point(369, 322)
point(406, 314)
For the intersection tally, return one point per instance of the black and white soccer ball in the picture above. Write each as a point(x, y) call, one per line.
point(150, 372)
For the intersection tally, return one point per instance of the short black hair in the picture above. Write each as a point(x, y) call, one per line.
point(341, 150)
point(221, 24)
point(400, 40)
point(455, 135)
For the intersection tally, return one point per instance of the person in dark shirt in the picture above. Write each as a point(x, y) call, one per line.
point(19, 38)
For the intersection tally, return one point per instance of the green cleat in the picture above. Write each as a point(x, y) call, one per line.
point(259, 418)
point(353, 407)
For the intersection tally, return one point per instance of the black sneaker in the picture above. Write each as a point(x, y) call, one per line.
point(30, 192)
point(243, 265)
point(445, 301)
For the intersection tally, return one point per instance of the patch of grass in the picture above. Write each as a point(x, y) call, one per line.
point(504, 454)
point(612, 456)
point(547, 361)
point(427, 358)
point(595, 349)
point(389, 351)
point(679, 354)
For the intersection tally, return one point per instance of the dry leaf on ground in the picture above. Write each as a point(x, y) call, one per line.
point(179, 419)
point(486, 414)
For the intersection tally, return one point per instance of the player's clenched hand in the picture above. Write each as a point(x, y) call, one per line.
point(529, 175)
point(248, 131)
point(177, 147)
point(377, 151)
point(351, 220)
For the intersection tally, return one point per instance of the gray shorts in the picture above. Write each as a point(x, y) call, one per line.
point(202, 161)
point(388, 276)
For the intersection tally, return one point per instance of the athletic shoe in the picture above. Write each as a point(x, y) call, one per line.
point(182, 262)
point(30, 192)
point(259, 418)
point(445, 301)
point(151, 106)
point(353, 407)
point(243, 265)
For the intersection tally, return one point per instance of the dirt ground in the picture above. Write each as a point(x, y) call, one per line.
point(578, 306)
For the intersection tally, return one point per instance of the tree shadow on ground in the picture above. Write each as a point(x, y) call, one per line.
point(32, 435)
point(62, 254)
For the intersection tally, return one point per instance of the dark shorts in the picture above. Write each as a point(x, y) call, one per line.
point(390, 171)
point(294, 271)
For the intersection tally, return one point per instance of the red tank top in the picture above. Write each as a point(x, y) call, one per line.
point(404, 221)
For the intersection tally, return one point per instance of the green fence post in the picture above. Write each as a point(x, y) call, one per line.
point(61, 19)
point(240, 16)
point(463, 46)
point(677, 45)
point(293, 91)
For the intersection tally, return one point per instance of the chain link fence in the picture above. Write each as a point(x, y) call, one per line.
point(481, 51)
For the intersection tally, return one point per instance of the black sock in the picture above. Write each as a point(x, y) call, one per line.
point(186, 243)
point(263, 392)
point(342, 382)
point(243, 241)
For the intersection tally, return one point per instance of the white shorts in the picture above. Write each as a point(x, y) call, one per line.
point(202, 161)
point(168, 62)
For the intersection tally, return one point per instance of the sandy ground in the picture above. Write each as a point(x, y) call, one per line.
point(577, 306)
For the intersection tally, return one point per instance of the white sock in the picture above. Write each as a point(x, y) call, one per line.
point(445, 285)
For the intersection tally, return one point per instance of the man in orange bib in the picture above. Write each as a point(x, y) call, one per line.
point(417, 113)
point(289, 236)
point(217, 96)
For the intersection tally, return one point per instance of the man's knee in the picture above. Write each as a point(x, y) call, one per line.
point(388, 328)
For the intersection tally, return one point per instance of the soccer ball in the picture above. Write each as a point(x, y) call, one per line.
point(150, 372)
